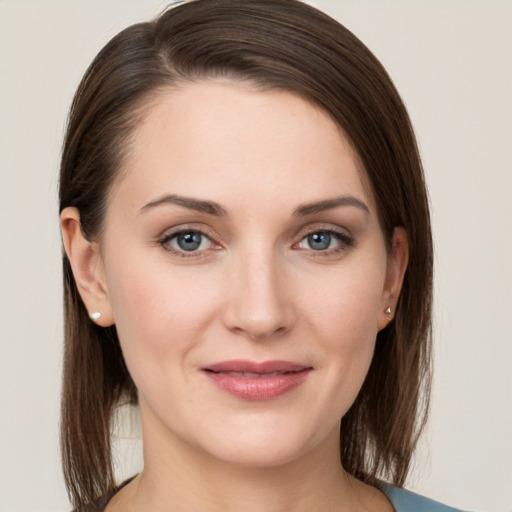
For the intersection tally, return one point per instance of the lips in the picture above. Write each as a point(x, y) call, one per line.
point(250, 380)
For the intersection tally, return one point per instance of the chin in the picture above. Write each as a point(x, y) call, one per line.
point(257, 455)
point(264, 444)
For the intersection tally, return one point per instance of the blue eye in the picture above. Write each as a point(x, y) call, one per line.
point(325, 240)
point(319, 241)
point(187, 241)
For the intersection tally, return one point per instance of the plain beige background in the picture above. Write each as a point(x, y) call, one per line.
point(450, 59)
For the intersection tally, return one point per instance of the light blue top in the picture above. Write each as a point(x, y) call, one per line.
point(407, 501)
point(402, 500)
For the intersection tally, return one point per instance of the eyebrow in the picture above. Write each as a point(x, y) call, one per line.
point(213, 208)
point(328, 204)
point(199, 205)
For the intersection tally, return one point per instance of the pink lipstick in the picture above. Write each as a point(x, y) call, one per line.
point(257, 381)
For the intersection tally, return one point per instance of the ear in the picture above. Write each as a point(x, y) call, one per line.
point(87, 265)
point(395, 271)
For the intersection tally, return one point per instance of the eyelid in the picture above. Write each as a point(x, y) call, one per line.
point(192, 226)
point(171, 233)
point(345, 238)
point(324, 227)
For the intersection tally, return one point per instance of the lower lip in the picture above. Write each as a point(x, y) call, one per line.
point(259, 388)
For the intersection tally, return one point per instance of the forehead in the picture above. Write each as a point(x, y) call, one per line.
point(210, 137)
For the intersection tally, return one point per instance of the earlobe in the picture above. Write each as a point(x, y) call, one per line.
point(395, 272)
point(86, 263)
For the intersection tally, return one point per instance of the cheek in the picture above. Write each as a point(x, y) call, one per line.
point(347, 307)
point(345, 316)
point(159, 310)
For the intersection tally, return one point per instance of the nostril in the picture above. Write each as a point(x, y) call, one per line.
point(257, 327)
point(257, 305)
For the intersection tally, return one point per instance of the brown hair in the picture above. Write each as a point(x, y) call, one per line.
point(273, 44)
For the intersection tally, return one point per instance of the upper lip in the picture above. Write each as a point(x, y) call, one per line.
point(264, 367)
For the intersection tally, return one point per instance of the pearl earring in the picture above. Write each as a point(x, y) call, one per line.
point(388, 311)
point(95, 316)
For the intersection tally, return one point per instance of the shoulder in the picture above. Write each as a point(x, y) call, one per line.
point(102, 503)
point(96, 507)
point(407, 501)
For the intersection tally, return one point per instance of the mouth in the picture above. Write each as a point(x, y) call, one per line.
point(251, 380)
point(250, 375)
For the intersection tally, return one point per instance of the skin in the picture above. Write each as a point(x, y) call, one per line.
point(256, 289)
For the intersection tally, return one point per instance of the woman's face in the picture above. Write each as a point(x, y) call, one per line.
point(246, 273)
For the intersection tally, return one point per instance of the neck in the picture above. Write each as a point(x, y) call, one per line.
point(181, 478)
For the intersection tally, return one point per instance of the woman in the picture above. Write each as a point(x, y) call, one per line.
point(248, 259)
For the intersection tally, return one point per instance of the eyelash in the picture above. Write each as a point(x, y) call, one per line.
point(345, 242)
point(166, 239)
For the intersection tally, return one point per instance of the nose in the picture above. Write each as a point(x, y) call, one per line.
point(259, 304)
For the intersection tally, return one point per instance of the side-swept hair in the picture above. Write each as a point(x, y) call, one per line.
point(271, 44)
